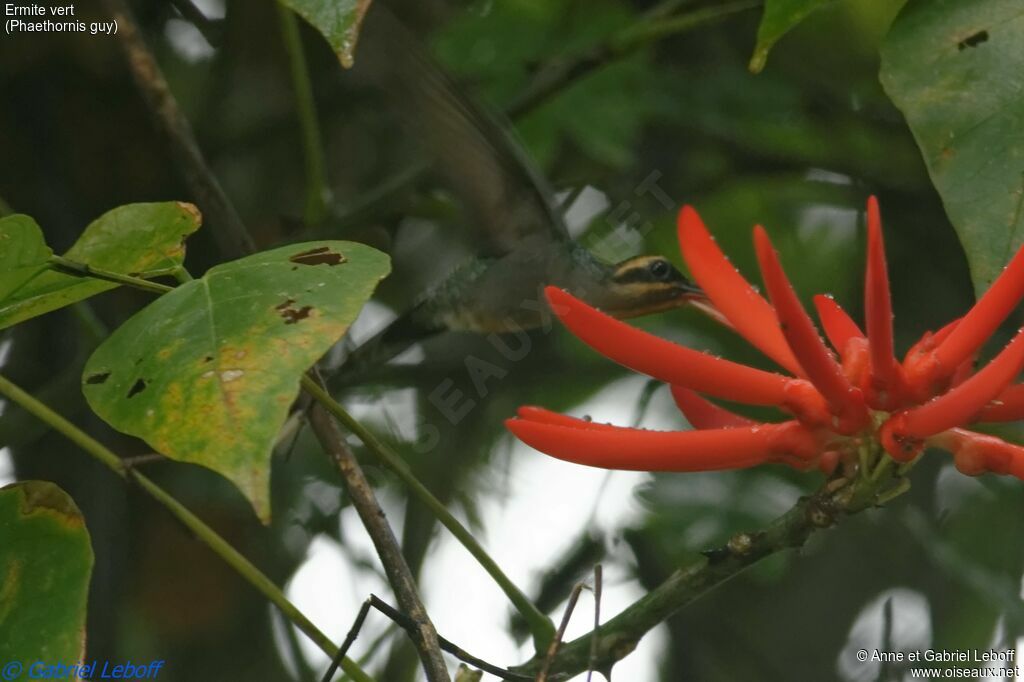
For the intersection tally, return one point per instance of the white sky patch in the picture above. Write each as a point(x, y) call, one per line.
point(827, 176)
point(373, 318)
point(211, 9)
point(546, 504)
point(911, 630)
point(5, 350)
point(329, 589)
point(836, 224)
point(187, 41)
point(588, 205)
point(6, 467)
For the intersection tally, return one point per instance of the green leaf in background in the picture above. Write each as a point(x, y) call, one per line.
point(23, 253)
point(206, 373)
point(45, 564)
point(779, 17)
point(956, 70)
point(142, 240)
point(337, 20)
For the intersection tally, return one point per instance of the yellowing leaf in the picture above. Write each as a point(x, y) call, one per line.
point(206, 373)
point(45, 565)
point(143, 240)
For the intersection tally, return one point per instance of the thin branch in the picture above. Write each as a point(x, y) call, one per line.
point(574, 597)
point(598, 591)
point(246, 569)
point(620, 635)
point(408, 625)
point(350, 638)
point(423, 634)
point(231, 235)
point(234, 240)
point(557, 78)
point(317, 188)
point(540, 626)
point(77, 269)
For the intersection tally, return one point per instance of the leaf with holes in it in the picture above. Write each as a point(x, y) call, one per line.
point(337, 20)
point(956, 70)
point(23, 253)
point(142, 240)
point(779, 17)
point(45, 564)
point(206, 373)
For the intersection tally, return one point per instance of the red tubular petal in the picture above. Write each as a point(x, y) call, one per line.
point(839, 326)
point(543, 416)
point(704, 414)
point(963, 372)
point(982, 320)
point(845, 402)
point(976, 453)
point(920, 366)
point(959, 405)
point(639, 450)
point(1008, 406)
point(663, 359)
point(748, 313)
point(878, 304)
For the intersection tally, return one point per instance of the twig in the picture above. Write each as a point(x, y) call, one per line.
point(317, 192)
point(540, 626)
point(574, 597)
point(598, 590)
point(407, 624)
point(350, 638)
point(234, 240)
point(620, 635)
point(557, 78)
point(203, 532)
point(423, 635)
point(141, 460)
point(85, 270)
point(230, 233)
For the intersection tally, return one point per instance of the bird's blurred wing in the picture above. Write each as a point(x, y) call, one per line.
point(473, 147)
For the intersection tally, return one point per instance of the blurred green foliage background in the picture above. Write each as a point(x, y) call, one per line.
point(797, 148)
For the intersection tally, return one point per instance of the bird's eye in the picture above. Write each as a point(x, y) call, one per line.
point(660, 269)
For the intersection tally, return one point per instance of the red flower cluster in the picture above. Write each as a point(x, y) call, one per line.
point(839, 404)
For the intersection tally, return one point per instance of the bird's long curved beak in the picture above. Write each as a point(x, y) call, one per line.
point(696, 297)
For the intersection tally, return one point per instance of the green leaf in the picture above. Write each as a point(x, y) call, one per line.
point(956, 70)
point(207, 372)
point(45, 564)
point(23, 253)
point(143, 240)
point(779, 17)
point(337, 20)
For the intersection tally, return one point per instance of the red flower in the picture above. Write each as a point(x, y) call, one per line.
point(857, 394)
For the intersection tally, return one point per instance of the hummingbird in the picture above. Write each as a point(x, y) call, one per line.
point(527, 244)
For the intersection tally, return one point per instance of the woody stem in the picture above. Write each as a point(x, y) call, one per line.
point(619, 636)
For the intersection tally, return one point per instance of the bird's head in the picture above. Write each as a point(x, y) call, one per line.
point(648, 284)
